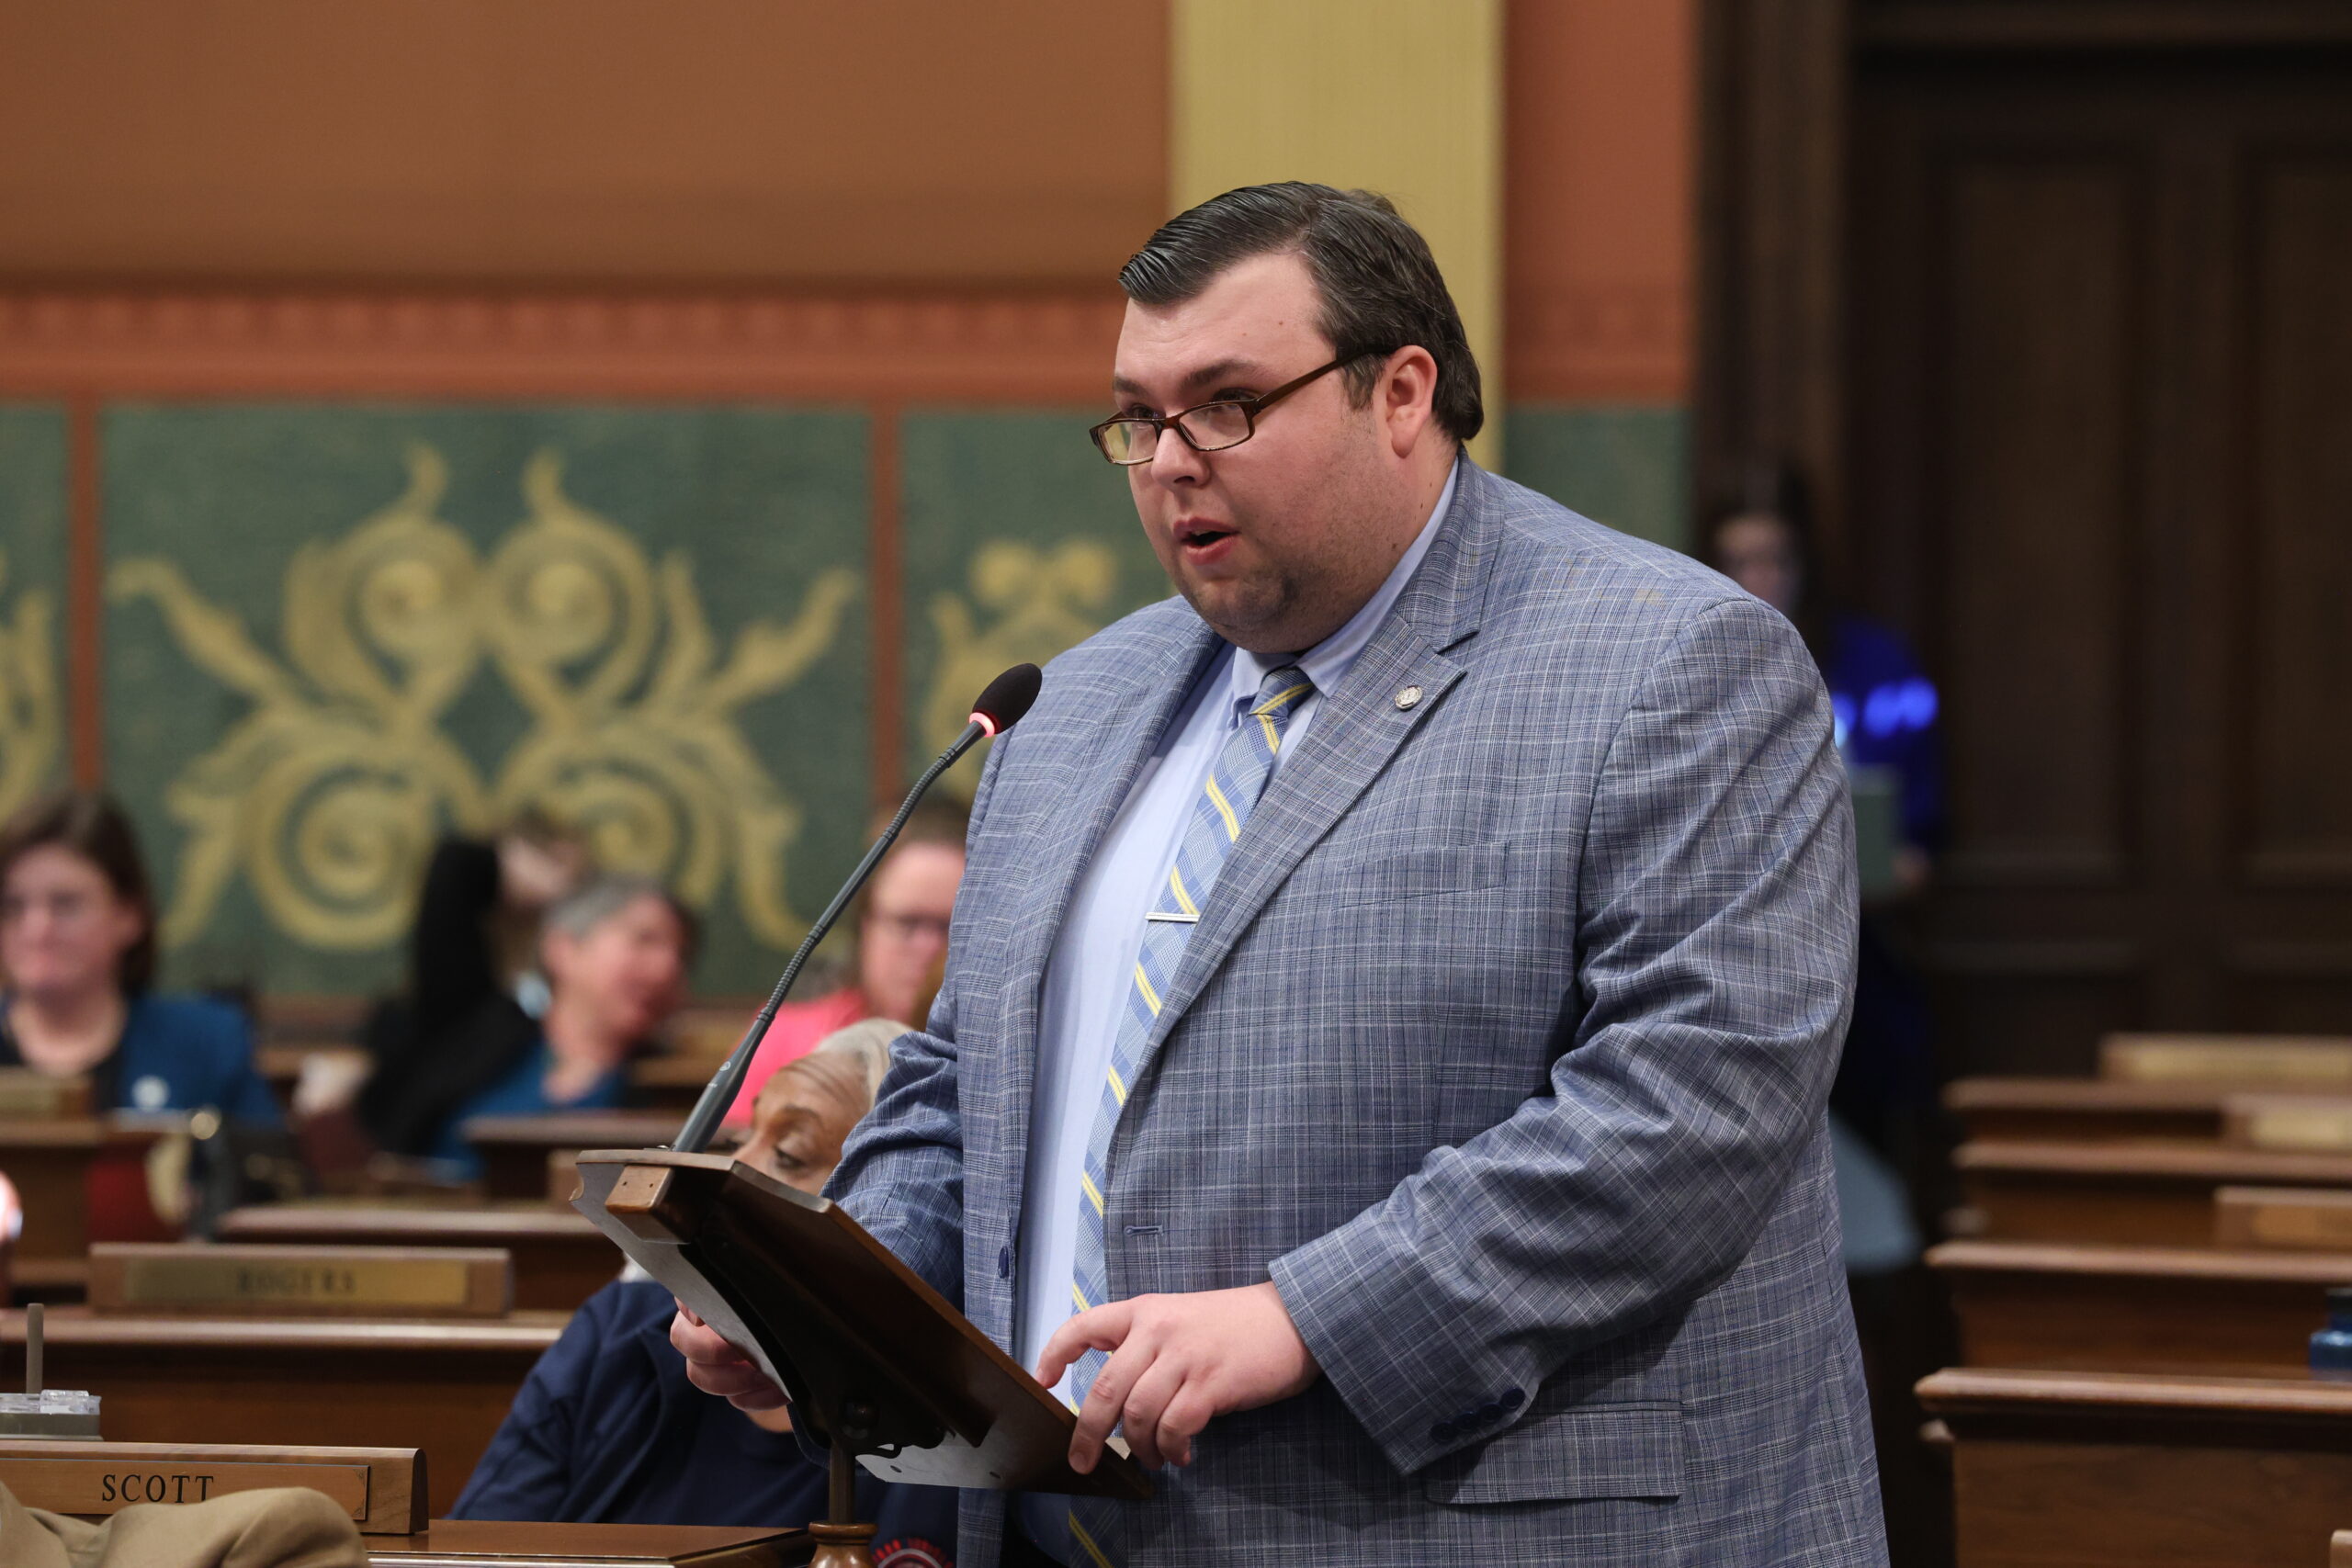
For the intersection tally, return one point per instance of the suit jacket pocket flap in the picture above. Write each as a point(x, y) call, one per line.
point(1619, 1450)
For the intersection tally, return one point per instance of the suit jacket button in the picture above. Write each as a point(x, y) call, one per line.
point(1511, 1400)
point(1004, 1263)
point(1443, 1432)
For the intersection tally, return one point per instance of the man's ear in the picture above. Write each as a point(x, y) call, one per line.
point(1407, 397)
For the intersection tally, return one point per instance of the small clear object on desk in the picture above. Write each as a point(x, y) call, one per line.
point(64, 1413)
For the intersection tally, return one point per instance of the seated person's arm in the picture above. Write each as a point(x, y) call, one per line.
point(528, 1467)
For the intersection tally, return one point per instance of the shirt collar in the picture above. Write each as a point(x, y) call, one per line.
point(1328, 663)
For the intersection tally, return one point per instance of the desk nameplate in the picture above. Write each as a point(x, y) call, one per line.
point(30, 1096)
point(2283, 1216)
point(380, 1490)
point(2290, 1122)
point(278, 1280)
point(2248, 1060)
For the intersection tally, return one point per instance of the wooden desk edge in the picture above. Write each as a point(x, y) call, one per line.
point(2128, 1161)
point(464, 1543)
point(2075, 1258)
point(1967, 1391)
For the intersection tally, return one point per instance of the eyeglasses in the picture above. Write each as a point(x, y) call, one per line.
point(1132, 439)
point(907, 928)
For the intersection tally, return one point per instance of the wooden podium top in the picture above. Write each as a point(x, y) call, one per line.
point(499, 1543)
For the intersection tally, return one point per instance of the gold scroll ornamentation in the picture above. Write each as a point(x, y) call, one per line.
point(328, 795)
point(31, 724)
point(1039, 604)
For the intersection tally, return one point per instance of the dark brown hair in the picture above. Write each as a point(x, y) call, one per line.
point(92, 826)
point(1380, 285)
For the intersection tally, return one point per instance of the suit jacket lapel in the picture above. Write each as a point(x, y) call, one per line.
point(1357, 730)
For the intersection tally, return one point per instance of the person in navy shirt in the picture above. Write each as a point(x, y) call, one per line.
point(614, 952)
point(607, 1429)
point(77, 945)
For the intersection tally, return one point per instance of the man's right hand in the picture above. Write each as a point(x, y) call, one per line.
point(716, 1367)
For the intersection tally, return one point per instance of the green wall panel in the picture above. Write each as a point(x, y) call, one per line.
point(1018, 541)
point(334, 632)
point(1625, 466)
point(33, 483)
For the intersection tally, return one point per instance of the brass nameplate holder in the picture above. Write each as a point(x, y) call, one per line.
point(28, 1096)
point(274, 1281)
point(2289, 1123)
point(2245, 1059)
point(382, 1490)
point(2317, 1219)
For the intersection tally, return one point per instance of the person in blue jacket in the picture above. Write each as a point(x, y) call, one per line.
point(77, 946)
point(607, 1429)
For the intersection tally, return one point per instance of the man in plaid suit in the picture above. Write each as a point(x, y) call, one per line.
point(1393, 996)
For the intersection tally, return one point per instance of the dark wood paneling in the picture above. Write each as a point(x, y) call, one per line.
point(2094, 455)
point(2034, 1010)
point(2299, 688)
point(2038, 456)
point(1772, 176)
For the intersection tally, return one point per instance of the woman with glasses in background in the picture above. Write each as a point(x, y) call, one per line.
point(902, 923)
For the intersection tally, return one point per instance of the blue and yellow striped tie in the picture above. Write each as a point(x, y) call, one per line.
point(1234, 784)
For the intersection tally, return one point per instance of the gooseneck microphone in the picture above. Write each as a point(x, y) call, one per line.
point(999, 707)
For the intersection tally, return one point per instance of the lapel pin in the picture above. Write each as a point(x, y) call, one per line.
point(1408, 697)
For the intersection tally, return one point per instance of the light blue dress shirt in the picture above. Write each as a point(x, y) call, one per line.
point(1093, 961)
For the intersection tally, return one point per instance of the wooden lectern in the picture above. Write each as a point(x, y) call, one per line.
point(880, 1368)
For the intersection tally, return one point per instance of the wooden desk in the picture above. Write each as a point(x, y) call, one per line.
point(515, 1149)
point(561, 1259)
point(54, 1165)
point(498, 1543)
point(441, 1387)
point(2115, 1471)
point(2086, 1110)
point(2063, 1305)
point(2130, 1194)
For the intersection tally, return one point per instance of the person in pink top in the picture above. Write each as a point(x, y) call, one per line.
point(901, 924)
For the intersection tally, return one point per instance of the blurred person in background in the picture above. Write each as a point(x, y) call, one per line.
point(1886, 716)
point(607, 1429)
point(614, 952)
point(901, 918)
point(77, 946)
point(476, 938)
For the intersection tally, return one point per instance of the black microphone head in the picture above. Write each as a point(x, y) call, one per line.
point(1008, 697)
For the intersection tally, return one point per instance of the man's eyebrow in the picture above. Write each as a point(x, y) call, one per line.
point(1218, 370)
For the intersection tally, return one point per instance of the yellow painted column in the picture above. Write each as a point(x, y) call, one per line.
point(1400, 96)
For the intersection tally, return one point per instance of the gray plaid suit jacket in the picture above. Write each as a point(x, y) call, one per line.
point(1502, 1045)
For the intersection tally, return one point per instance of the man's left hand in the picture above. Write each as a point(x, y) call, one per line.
point(1176, 1361)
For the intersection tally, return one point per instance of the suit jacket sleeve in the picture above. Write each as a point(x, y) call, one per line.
point(901, 1173)
point(1715, 938)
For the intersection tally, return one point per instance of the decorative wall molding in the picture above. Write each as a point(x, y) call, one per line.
point(1628, 341)
point(1010, 346)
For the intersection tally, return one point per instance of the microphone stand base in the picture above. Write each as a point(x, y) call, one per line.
point(842, 1546)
